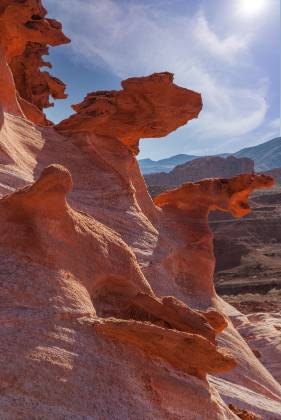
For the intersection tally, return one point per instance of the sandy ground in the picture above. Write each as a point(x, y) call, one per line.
point(255, 302)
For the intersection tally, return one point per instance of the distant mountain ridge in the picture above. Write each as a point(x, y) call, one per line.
point(266, 156)
point(164, 165)
point(205, 167)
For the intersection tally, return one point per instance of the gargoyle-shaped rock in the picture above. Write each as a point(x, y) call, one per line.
point(215, 194)
point(189, 353)
point(185, 217)
point(151, 106)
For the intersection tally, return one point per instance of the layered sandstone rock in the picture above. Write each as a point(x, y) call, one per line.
point(179, 316)
point(37, 222)
point(188, 353)
point(151, 106)
point(105, 295)
point(46, 247)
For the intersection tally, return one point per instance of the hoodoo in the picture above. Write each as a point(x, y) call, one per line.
point(108, 308)
point(151, 106)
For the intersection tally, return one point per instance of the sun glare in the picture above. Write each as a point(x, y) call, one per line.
point(251, 7)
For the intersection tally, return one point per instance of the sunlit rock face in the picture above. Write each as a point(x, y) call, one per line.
point(184, 219)
point(151, 106)
point(107, 302)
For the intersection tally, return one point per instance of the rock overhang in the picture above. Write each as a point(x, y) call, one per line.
point(147, 107)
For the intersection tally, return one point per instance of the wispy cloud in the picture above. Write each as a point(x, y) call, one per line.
point(224, 48)
point(137, 38)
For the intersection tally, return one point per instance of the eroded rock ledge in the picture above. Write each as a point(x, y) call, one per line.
point(151, 106)
point(189, 353)
point(25, 34)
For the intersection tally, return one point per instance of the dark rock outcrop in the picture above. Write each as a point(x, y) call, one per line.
point(205, 167)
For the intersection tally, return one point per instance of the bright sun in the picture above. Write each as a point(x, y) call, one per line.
point(251, 7)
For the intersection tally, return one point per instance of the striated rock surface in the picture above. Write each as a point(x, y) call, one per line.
point(151, 106)
point(107, 304)
point(38, 225)
point(45, 249)
point(179, 316)
point(189, 353)
point(206, 167)
point(81, 271)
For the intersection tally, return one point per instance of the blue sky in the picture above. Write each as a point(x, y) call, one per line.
point(228, 50)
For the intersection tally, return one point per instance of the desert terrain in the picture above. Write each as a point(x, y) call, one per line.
point(248, 268)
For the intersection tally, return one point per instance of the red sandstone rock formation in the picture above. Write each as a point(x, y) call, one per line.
point(149, 106)
point(34, 85)
point(23, 22)
point(75, 254)
point(8, 97)
point(184, 221)
point(25, 33)
point(214, 194)
point(38, 222)
point(179, 316)
point(189, 353)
